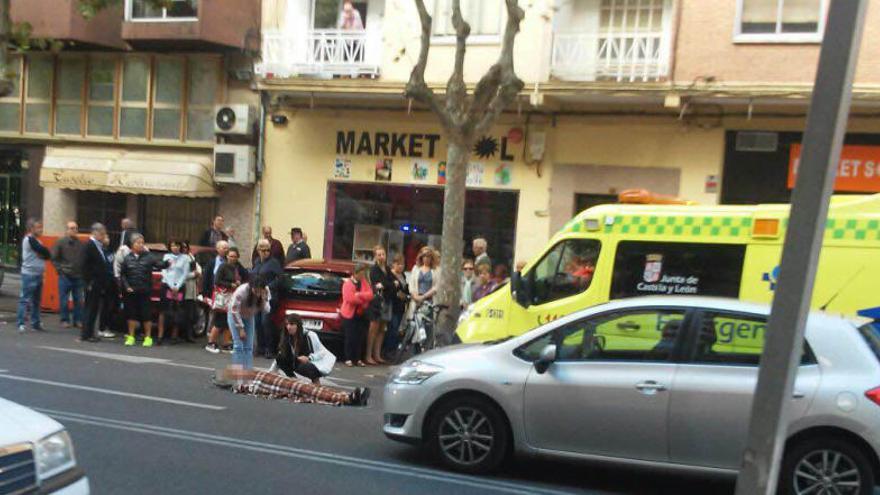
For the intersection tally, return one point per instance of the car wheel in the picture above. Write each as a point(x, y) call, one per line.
point(826, 465)
point(469, 434)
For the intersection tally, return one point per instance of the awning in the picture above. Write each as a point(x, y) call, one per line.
point(158, 173)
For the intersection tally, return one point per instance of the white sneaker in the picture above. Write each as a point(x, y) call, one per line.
point(22, 329)
point(212, 348)
point(106, 334)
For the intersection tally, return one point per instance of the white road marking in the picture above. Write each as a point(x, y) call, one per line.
point(303, 454)
point(126, 358)
point(111, 392)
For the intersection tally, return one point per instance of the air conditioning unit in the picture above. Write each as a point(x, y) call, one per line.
point(234, 119)
point(234, 163)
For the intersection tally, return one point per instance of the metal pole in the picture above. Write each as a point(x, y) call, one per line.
point(823, 138)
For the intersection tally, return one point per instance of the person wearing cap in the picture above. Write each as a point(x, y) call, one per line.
point(298, 249)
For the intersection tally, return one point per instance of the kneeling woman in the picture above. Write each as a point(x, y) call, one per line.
point(300, 351)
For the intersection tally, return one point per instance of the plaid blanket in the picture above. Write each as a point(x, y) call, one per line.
point(272, 386)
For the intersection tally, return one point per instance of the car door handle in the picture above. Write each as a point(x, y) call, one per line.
point(797, 394)
point(650, 387)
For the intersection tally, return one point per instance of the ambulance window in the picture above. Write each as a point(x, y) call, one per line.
point(677, 268)
point(565, 271)
point(734, 339)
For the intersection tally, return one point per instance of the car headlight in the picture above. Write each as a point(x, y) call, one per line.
point(54, 454)
point(415, 372)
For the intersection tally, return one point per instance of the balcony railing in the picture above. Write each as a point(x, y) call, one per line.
point(321, 52)
point(618, 56)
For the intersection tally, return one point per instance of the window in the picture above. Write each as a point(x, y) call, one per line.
point(69, 97)
point(565, 271)
point(642, 335)
point(135, 97)
point(484, 16)
point(202, 94)
point(168, 98)
point(176, 10)
point(10, 105)
point(38, 98)
point(734, 339)
point(673, 268)
point(871, 334)
point(102, 90)
point(780, 20)
point(107, 208)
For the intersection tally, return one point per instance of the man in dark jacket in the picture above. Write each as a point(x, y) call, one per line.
point(66, 255)
point(275, 247)
point(97, 273)
point(136, 276)
point(214, 234)
point(268, 268)
point(298, 250)
point(210, 271)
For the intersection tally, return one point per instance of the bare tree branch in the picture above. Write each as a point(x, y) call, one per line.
point(500, 86)
point(416, 88)
point(456, 91)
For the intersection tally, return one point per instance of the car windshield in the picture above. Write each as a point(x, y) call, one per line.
point(313, 283)
point(871, 334)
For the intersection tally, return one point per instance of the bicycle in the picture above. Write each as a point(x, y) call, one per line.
point(419, 333)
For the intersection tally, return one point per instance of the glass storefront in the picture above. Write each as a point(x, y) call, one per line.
point(407, 217)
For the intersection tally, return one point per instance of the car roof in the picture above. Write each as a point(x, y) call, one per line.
point(341, 266)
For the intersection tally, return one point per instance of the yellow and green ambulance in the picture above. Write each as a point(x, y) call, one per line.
point(626, 250)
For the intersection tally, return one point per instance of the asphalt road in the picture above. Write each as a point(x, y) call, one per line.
point(149, 421)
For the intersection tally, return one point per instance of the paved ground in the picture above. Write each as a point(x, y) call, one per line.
point(149, 421)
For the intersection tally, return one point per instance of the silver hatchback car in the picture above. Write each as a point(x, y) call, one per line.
point(655, 382)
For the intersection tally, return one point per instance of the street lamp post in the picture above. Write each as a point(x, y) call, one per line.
point(823, 138)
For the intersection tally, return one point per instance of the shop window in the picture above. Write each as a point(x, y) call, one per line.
point(484, 16)
point(780, 20)
point(39, 94)
point(359, 214)
point(102, 90)
point(178, 218)
point(168, 98)
point(10, 105)
point(676, 268)
point(104, 207)
point(565, 271)
point(69, 97)
point(204, 82)
point(135, 93)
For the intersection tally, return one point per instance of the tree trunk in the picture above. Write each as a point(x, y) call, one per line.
point(5, 34)
point(449, 290)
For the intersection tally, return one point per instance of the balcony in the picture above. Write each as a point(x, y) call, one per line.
point(323, 53)
point(620, 57)
point(192, 24)
point(61, 20)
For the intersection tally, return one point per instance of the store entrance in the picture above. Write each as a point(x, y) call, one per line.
point(404, 218)
point(10, 207)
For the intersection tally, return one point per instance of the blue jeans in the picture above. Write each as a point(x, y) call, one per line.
point(242, 350)
point(392, 337)
point(73, 287)
point(31, 293)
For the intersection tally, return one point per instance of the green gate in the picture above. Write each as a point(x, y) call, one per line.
point(10, 208)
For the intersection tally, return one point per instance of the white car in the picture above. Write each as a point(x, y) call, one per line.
point(36, 454)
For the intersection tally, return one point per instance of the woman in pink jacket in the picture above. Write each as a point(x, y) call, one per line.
point(356, 297)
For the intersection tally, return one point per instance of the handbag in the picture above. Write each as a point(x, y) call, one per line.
point(220, 300)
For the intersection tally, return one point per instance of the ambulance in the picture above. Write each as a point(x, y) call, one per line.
point(677, 248)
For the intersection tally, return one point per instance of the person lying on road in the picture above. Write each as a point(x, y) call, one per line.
point(272, 386)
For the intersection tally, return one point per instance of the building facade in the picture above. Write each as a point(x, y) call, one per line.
point(121, 122)
point(702, 100)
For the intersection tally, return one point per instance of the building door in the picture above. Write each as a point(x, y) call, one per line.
point(586, 201)
point(10, 208)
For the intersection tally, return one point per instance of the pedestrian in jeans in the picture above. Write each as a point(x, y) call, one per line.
point(247, 300)
point(400, 299)
point(136, 273)
point(96, 266)
point(356, 297)
point(266, 266)
point(33, 264)
point(190, 293)
point(171, 295)
point(66, 255)
point(379, 312)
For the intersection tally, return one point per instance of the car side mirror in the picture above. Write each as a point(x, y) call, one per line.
point(545, 359)
point(520, 289)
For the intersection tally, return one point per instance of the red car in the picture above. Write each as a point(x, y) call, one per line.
point(313, 290)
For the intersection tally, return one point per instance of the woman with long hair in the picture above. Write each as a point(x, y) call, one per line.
point(356, 297)
point(190, 293)
point(424, 278)
point(172, 291)
point(301, 352)
point(399, 300)
point(379, 313)
point(247, 300)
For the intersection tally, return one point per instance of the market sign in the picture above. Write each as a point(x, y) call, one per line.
point(857, 171)
point(415, 145)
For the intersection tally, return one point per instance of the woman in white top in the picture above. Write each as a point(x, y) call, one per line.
point(246, 301)
point(301, 351)
point(423, 279)
point(171, 295)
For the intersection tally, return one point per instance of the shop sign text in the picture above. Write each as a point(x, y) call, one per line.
point(402, 144)
point(858, 169)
